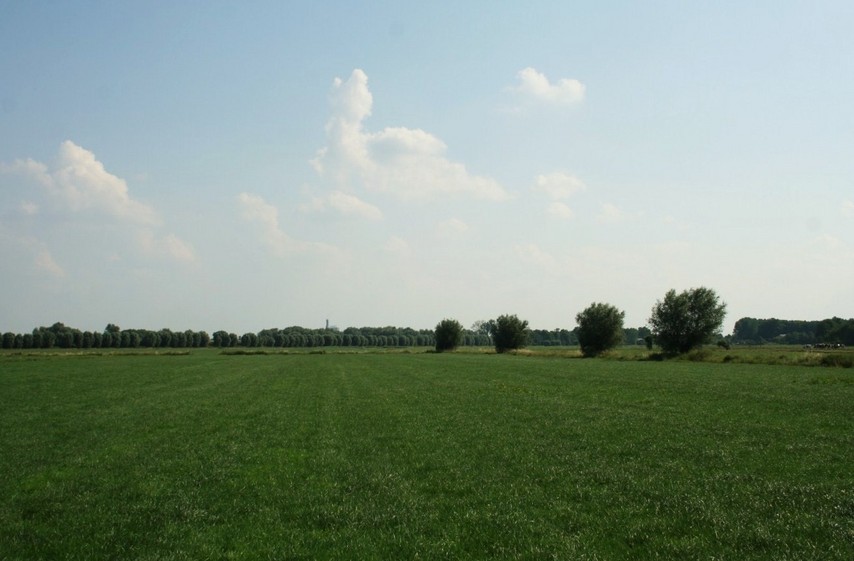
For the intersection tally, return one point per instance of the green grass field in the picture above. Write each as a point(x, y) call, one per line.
point(429, 456)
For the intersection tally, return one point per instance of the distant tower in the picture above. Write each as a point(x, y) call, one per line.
point(327, 324)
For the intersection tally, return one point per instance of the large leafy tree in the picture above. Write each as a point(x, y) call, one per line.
point(509, 333)
point(449, 335)
point(685, 321)
point(600, 328)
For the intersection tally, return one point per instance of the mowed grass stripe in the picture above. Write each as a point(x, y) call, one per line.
point(458, 456)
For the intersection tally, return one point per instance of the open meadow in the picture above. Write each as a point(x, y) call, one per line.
point(362, 455)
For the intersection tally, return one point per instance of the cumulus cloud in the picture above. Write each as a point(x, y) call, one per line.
point(266, 216)
point(610, 214)
point(84, 183)
point(343, 204)
point(29, 208)
point(398, 246)
point(79, 183)
point(169, 246)
point(451, 228)
point(407, 163)
point(534, 86)
point(28, 253)
point(558, 185)
point(30, 168)
point(848, 208)
point(560, 210)
point(534, 255)
point(44, 262)
point(827, 242)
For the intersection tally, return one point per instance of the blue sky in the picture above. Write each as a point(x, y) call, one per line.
point(262, 164)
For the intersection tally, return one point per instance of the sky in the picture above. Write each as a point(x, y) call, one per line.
point(248, 165)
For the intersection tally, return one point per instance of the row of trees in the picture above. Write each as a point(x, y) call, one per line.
point(61, 336)
point(752, 331)
point(679, 323)
point(296, 336)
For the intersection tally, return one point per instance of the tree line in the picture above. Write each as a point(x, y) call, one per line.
point(753, 331)
point(61, 336)
point(296, 336)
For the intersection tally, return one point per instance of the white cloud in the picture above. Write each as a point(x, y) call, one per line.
point(535, 86)
point(398, 246)
point(82, 183)
point(266, 216)
point(28, 253)
point(169, 246)
point(558, 185)
point(79, 183)
point(533, 254)
point(30, 168)
point(827, 242)
point(451, 228)
point(343, 204)
point(29, 208)
point(257, 210)
point(610, 214)
point(407, 163)
point(848, 209)
point(44, 262)
point(560, 210)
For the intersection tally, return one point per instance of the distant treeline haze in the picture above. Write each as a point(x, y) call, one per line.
point(747, 331)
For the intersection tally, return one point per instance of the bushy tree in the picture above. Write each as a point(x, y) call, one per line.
point(509, 333)
point(685, 321)
point(220, 338)
point(448, 334)
point(600, 328)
